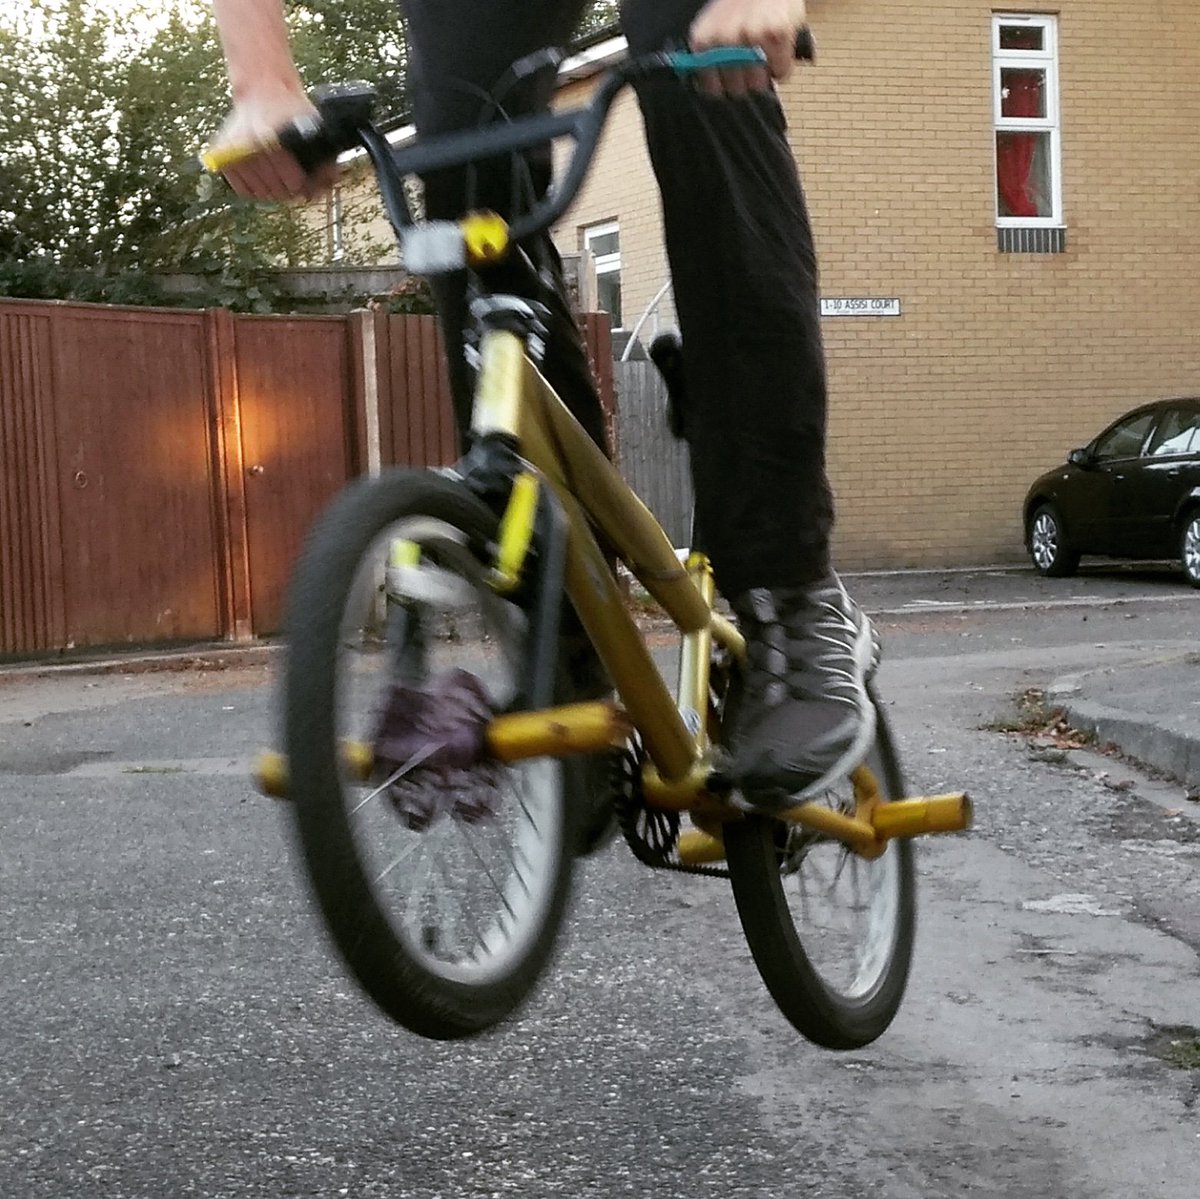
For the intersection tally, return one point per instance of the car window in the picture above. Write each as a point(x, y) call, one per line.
point(1124, 440)
point(1178, 433)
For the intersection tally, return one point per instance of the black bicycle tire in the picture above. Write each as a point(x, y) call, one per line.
point(811, 1006)
point(421, 1001)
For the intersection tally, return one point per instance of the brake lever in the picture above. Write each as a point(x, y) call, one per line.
point(343, 109)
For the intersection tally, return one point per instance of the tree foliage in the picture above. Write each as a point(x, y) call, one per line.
point(102, 109)
point(339, 40)
point(101, 114)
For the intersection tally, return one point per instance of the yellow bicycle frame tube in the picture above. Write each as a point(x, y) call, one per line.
point(513, 398)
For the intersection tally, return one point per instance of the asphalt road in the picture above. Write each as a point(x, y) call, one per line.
point(173, 1024)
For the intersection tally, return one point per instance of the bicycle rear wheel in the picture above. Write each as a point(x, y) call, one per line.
point(443, 888)
point(830, 932)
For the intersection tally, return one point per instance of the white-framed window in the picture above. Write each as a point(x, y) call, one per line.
point(604, 243)
point(1028, 133)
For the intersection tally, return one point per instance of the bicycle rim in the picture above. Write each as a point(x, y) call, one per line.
point(442, 886)
point(831, 932)
point(466, 893)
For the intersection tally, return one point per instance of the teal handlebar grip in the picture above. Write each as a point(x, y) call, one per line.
point(685, 62)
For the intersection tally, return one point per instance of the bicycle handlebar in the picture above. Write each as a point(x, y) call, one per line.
point(345, 123)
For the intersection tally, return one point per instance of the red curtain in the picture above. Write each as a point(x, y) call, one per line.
point(1015, 151)
point(1014, 38)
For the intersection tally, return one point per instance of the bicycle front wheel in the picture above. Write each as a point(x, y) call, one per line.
point(443, 888)
point(830, 932)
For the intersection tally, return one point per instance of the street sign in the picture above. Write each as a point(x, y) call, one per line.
point(860, 306)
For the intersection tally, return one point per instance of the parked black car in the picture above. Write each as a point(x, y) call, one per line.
point(1134, 492)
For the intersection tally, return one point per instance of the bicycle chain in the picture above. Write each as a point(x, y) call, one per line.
point(651, 833)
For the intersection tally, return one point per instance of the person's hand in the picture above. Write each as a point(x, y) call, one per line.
point(770, 25)
point(268, 172)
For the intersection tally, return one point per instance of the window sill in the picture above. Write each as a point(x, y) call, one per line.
point(1031, 239)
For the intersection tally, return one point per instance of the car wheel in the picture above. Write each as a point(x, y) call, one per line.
point(1049, 549)
point(1189, 546)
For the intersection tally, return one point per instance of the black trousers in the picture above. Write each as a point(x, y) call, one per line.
point(742, 264)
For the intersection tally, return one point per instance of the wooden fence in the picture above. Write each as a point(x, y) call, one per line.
point(158, 468)
point(653, 463)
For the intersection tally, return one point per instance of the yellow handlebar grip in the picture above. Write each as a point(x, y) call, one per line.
point(216, 159)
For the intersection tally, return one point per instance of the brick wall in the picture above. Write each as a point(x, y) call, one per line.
point(1001, 362)
point(621, 187)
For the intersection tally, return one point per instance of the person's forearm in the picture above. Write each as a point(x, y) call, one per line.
point(257, 52)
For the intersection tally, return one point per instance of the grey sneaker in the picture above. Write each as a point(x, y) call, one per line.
point(805, 719)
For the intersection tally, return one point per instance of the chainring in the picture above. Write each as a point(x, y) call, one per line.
point(651, 833)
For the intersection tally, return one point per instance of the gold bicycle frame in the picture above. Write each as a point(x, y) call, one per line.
point(513, 399)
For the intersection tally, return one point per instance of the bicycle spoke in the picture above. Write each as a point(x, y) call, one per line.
point(843, 858)
point(416, 845)
point(520, 790)
point(409, 766)
point(466, 836)
point(443, 895)
point(511, 849)
point(802, 891)
point(414, 895)
point(817, 872)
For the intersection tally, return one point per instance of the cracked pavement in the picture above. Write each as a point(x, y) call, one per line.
point(174, 1023)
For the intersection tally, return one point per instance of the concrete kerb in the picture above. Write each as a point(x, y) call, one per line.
point(203, 656)
point(1150, 740)
point(196, 657)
